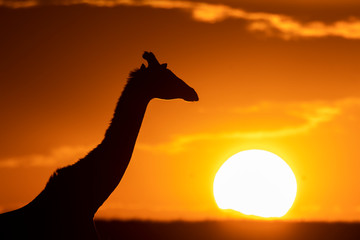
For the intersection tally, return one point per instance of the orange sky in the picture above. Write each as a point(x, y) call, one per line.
point(280, 77)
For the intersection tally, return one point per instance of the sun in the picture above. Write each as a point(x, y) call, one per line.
point(255, 182)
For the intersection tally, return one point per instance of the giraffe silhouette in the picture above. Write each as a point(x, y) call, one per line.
point(69, 201)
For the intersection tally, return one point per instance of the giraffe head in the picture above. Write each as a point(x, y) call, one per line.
point(163, 83)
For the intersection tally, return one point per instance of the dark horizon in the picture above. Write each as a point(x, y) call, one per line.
point(227, 230)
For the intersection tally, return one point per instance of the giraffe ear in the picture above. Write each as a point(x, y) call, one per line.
point(164, 65)
point(142, 67)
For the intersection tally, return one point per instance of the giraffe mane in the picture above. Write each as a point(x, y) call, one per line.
point(135, 75)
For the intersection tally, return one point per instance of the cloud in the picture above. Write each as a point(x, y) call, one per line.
point(311, 114)
point(18, 3)
point(56, 157)
point(277, 24)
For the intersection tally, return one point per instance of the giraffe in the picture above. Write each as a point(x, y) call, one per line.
point(66, 207)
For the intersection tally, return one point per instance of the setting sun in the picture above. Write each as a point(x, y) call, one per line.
point(255, 182)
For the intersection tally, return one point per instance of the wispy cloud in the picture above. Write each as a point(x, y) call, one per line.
point(276, 24)
point(56, 157)
point(18, 3)
point(311, 114)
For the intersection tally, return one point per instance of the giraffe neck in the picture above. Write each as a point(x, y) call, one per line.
point(80, 189)
point(125, 125)
point(113, 155)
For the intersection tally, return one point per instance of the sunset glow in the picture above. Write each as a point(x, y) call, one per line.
point(282, 76)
